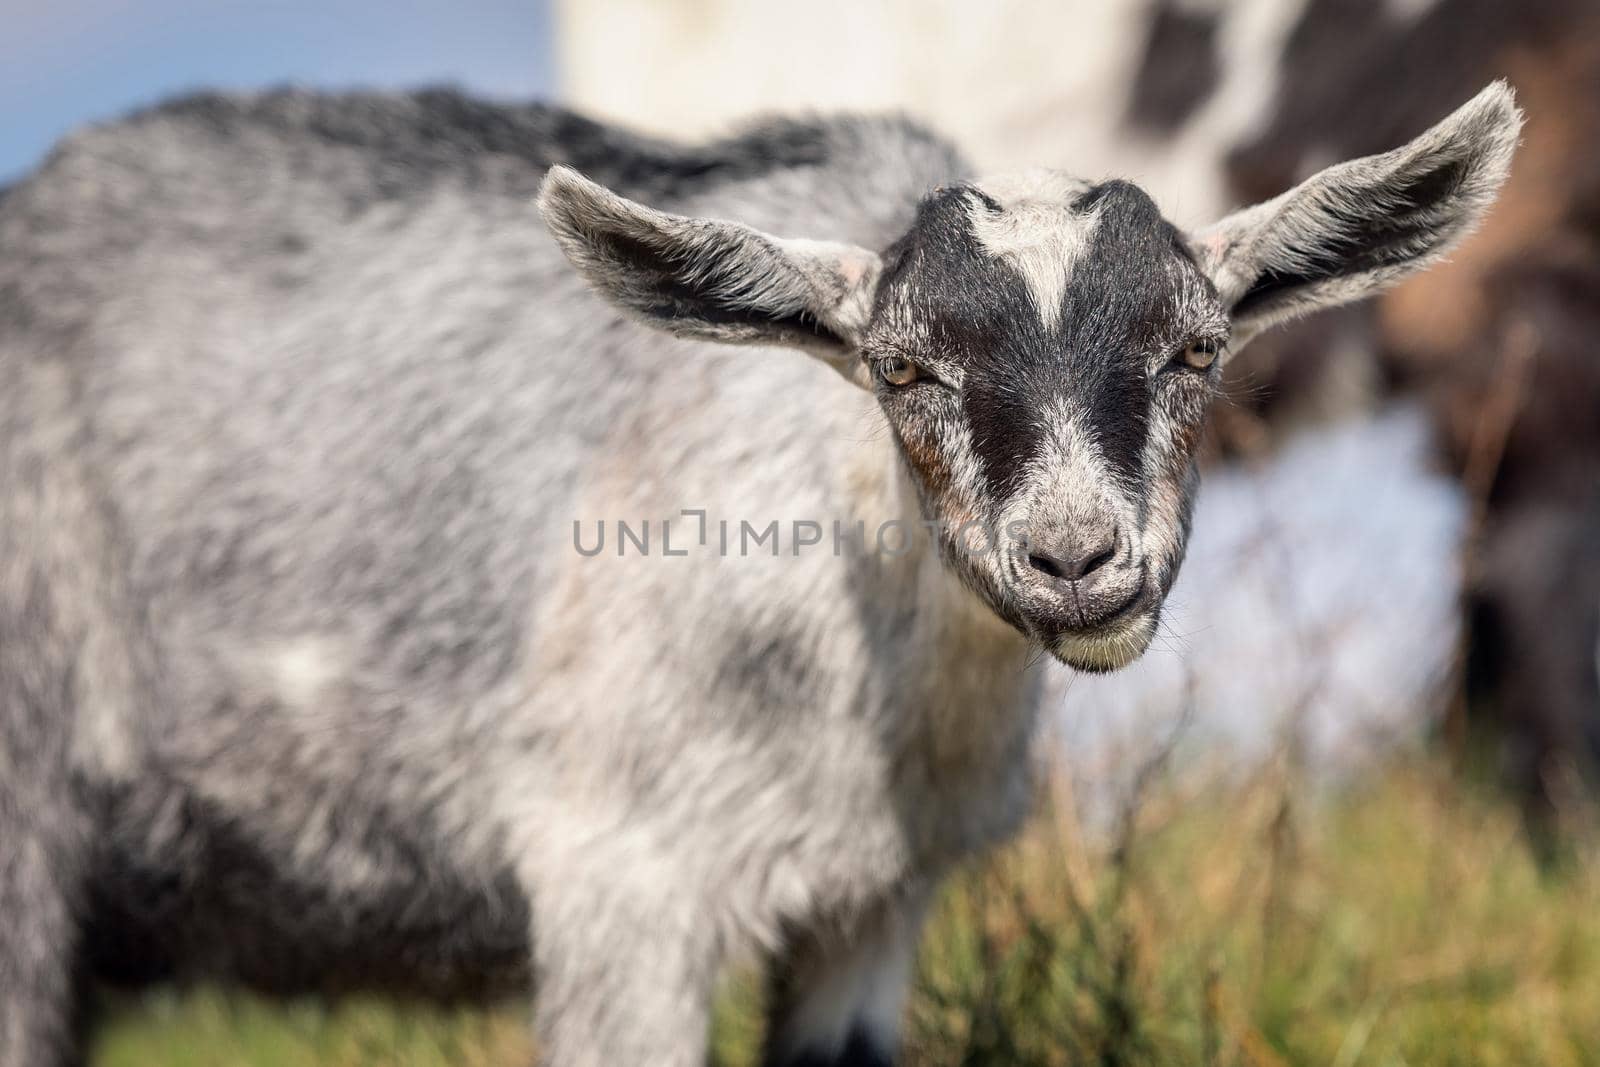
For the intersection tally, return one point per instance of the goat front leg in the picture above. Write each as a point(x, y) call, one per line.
point(624, 976)
point(838, 996)
point(43, 851)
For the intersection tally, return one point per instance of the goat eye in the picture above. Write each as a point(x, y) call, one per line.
point(896, 371)
point(1199, 355)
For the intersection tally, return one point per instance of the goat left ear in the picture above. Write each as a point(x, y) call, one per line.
point(710, 279)
point(1359, 226)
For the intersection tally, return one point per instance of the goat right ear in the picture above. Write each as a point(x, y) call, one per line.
point(710, 279)
point(1360, 226)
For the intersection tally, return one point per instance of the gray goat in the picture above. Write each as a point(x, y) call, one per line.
point(317, 671)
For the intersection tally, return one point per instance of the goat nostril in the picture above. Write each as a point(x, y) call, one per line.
point(1089, 564)
point(1046, 565)
point(1074, 568)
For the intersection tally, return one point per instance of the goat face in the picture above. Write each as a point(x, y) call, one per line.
point(1045, 352)
point(1045, 349)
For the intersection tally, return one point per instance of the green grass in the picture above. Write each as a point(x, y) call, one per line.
point(214, 1030)
point(1404, 920)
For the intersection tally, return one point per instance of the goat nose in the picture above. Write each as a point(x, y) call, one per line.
point(1076, 562)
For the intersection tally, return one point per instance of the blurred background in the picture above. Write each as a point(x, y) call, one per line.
point(1363, 749)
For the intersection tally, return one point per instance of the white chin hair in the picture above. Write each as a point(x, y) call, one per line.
point(1108, 651)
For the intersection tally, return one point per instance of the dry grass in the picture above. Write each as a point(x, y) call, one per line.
point(1405, 921)
point(1402, 920)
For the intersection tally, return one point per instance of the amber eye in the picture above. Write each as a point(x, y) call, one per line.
point(896, 371)
point(1199, 355)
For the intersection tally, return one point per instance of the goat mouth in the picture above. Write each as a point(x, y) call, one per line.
point(1112, 643)
point(1105, 651)
point(1116, 616)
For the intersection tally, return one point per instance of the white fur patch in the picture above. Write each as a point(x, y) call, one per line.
point(303, 670)
point(1072, 482)
point(1037, 232)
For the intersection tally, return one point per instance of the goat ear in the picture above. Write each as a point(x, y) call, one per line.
point(705, 278)
point(1359, 226)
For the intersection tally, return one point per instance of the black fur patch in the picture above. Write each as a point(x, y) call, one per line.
point(978, 314)
point(1123, 300)
point(211, 900)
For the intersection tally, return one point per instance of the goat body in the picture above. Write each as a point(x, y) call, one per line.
point(307, 679)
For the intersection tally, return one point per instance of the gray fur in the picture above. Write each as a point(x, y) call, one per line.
point(302, 682)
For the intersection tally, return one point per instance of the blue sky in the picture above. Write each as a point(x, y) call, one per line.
point(66, 62)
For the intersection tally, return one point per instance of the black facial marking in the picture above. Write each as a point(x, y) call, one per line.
point(1005, 434)
point(1123, 302)
point(1123, 295)
point(978, 314)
